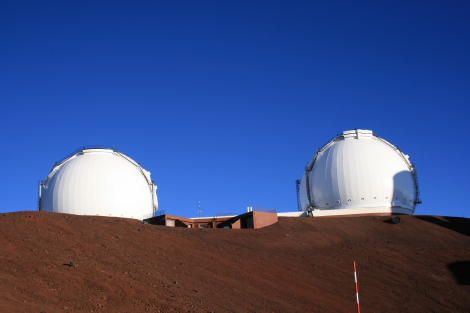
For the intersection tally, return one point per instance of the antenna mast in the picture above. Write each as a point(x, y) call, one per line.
point(200, 211)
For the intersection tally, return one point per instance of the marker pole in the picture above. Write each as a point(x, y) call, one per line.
point(357, 289)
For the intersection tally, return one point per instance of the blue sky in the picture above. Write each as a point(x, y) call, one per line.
point(226, 101)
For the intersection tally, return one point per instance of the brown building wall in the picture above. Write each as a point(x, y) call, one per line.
point(263, 219)
point(178, 221)
point(253, 219)
point(236, 225)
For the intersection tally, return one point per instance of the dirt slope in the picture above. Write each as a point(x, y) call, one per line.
point(59, 263)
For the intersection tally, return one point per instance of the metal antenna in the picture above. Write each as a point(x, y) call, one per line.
point(200, 211)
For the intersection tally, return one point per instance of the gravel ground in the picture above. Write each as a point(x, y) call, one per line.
point(52, 262)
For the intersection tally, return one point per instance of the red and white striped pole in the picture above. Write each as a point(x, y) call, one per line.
point(357, 289)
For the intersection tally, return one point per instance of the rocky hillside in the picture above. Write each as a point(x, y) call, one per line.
point(53, 262)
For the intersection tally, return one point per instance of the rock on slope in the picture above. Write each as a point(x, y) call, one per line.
point(53, 262)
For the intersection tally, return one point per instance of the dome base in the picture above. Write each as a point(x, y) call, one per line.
point(377, 211)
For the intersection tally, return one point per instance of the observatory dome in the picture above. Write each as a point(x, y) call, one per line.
point(359, 173)
point(99, 181)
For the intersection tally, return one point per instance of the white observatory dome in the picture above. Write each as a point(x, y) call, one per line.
point(99, 181)
point(358, 173)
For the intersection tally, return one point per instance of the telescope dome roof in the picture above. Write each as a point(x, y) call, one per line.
point(101, 182)
point(359, 170)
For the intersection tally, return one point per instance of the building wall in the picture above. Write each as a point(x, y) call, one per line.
point(263, 219)
point(236, 225)
point(253, 219)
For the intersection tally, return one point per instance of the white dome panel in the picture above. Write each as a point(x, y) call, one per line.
point(99, 182)
point(359, 170)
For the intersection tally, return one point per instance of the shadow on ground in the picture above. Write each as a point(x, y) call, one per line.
point(458, 224)
point(461, 271)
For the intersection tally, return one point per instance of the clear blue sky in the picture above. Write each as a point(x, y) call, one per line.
point(226, 101)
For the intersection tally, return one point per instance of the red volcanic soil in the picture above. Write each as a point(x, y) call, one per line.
point(54, 262)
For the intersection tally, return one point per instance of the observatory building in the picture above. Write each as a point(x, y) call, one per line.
point(358, 173)
point(99, 180)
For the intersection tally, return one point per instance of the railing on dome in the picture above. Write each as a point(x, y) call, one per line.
point(81, 149)
point(258, 209)
point(85, 148)
point(329, 141)
point(414, 173)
